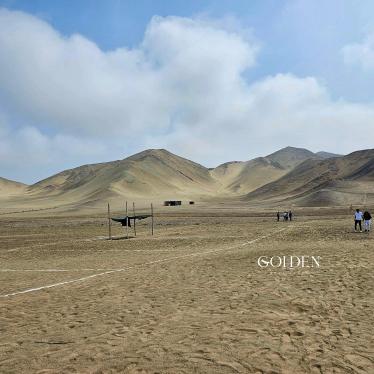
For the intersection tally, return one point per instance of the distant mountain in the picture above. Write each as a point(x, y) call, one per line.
point(290, 176)
point(325, 155)
point(9, 187)
point(241, 177)
point(154, 173)
point(158, 173)
point(290, 157)
point(337, 180)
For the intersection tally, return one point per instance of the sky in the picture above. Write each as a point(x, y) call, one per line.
point(213, 81)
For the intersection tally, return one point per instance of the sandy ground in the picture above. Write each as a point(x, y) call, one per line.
point(191, 299)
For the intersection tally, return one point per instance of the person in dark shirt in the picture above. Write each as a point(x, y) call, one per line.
point(278, 216)
point(290, 215)
point(367, 221)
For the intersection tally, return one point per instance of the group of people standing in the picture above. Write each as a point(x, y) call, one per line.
point(359, 218)
point(286, 216)
point(365, 217)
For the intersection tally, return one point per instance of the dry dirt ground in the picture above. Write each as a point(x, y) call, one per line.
point(190, 299)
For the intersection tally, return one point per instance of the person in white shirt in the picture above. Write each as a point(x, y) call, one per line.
point(358, 219)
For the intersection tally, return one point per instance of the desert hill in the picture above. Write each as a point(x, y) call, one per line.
point(291, 175)
point(154, 173)
point(325, 155)
point(332, 181)
point(242, 177)
point(158, 173)
point(9, 187)
point(290, 157)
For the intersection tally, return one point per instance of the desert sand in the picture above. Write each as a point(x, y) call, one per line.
point(190, 299)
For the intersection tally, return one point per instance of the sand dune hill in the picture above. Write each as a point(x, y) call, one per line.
point(295, 174)
point(159, 174)
point(243, 177)
point(153, 173)
point(290, 157)
point(334, 181)
point(9, 187)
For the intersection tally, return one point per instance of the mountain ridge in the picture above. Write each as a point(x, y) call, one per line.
point(290, 174)
point(334, 176)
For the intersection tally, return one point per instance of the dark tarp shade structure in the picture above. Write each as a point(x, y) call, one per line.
point(126, 221)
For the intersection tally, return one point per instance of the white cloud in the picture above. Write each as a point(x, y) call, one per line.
point(33, 153)
point(182, 88)
point(70, 83)
point(360, 54)
point(279, 110)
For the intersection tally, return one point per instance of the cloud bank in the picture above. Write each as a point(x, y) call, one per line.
point(64, 101)
point(360, 54)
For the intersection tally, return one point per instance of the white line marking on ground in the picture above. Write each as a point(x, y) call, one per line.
point(29, 247)
point(50, 270)
point(139, 265)
point(25, 235)
point(100, 250)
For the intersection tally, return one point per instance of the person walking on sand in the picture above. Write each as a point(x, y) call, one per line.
point(358, 219)
point(290, 215)
point(278, 216)
point(367, 221)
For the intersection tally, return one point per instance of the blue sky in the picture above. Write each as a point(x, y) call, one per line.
point(306, 64)
point(115, 23)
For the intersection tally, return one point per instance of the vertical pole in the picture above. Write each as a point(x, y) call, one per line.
point(152, 217)
point(133, 208)
point(127, 222)
point(109, 223)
